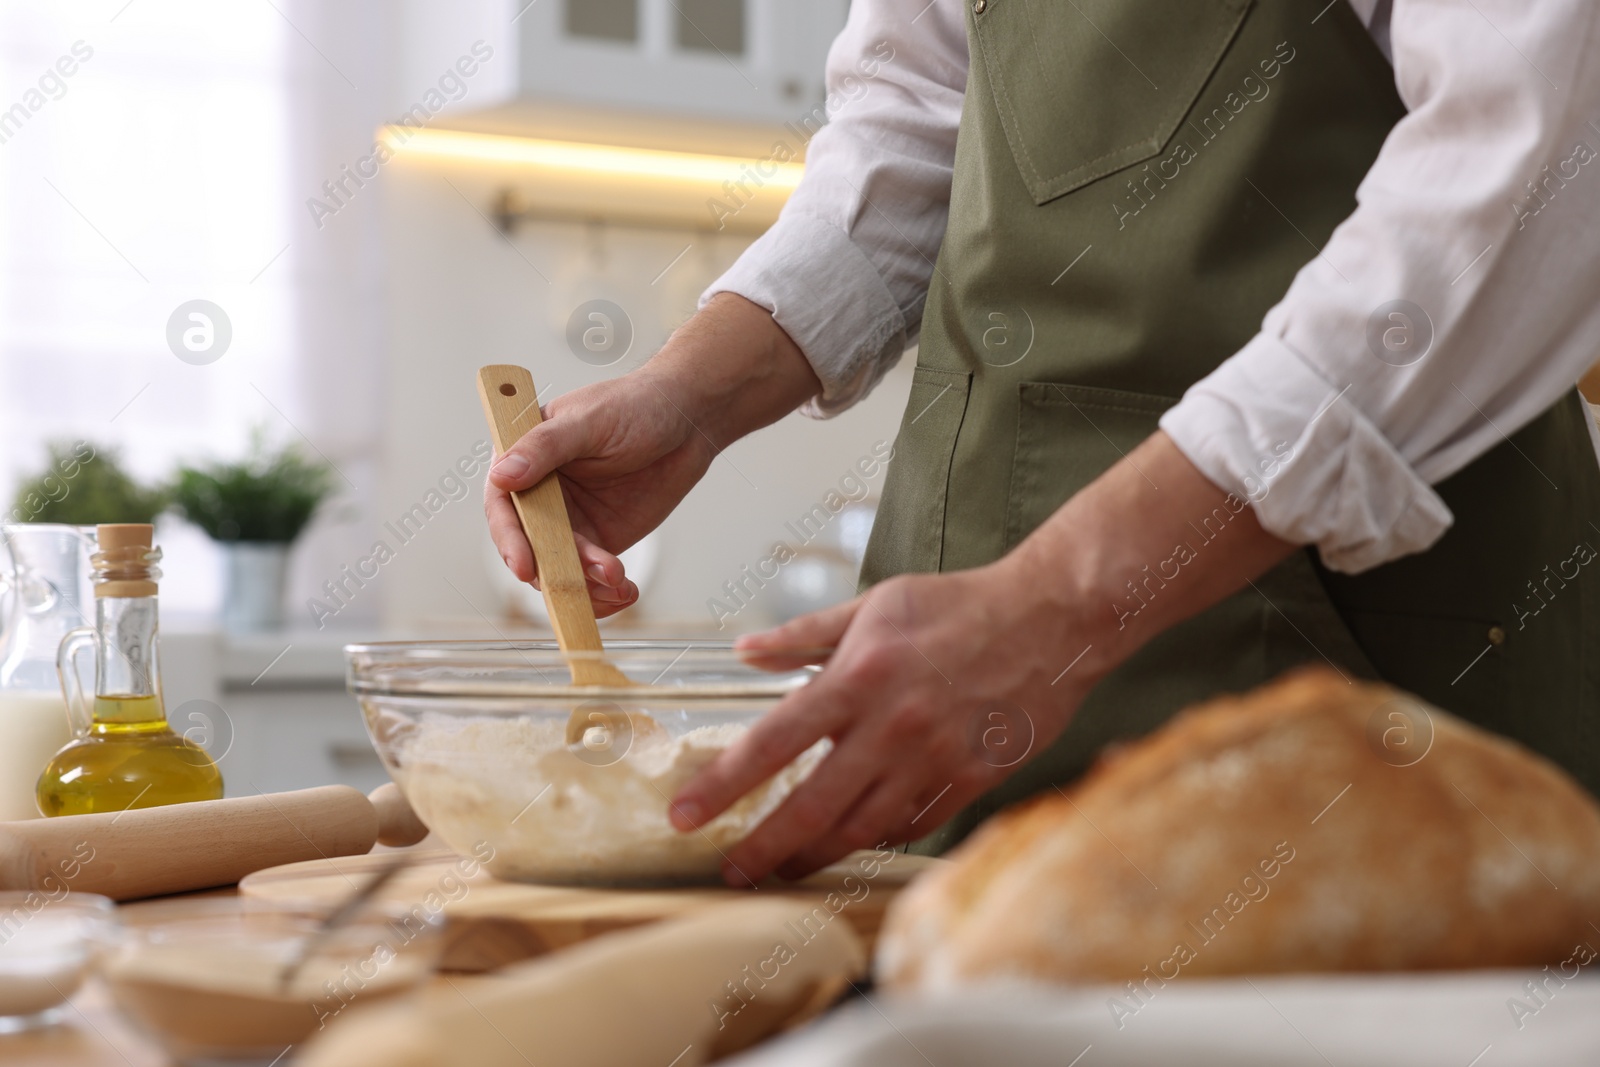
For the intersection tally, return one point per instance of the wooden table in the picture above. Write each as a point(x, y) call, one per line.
point(94, 1035)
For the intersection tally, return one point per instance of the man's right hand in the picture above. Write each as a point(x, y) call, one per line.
point(628, 450)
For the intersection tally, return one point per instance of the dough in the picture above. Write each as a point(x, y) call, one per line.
point(549, 815)
point(1311, 825)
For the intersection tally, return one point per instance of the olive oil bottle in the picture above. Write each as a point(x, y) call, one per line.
point(123, 754)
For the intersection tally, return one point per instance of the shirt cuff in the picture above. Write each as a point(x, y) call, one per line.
point(1267, 427)
point(829, 298)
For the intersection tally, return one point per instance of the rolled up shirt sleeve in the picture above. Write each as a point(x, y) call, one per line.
point(845, 269)
point(1455, 305)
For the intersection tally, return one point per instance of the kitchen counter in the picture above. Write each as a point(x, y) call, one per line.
point(1290, 1021)
point(1300, 1020)
point(93, 1035)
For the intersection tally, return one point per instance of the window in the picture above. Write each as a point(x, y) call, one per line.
point(174, 164)
point(149, 177)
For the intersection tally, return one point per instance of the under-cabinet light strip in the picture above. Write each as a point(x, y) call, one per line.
point(590, 158)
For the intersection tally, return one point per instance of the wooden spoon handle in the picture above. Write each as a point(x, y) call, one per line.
point(511, 404)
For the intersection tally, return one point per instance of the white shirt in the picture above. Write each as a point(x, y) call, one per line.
point(1496, 90)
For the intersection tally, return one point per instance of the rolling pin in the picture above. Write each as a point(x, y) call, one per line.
point(148, 852)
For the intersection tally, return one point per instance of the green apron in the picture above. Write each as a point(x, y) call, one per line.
point(1136, 183)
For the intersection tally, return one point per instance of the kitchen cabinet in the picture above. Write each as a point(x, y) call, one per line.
point(296, 737)
point(272, 709)
point(734, 59)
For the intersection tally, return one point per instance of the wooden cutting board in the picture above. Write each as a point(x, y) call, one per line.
point(493, 923)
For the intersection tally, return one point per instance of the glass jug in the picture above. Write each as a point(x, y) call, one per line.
point(122, 754)
point(44, 593)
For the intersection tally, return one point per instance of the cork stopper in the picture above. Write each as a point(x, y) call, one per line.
point(125, 564)
point(115, 535)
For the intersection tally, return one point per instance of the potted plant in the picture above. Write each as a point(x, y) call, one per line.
point(84, 484)
point(255, 509)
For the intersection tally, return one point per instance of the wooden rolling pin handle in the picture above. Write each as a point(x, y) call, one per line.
point(152, 851)
point(398, 825)
point(21, 866)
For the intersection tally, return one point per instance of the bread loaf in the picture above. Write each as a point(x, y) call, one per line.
point(1314, 824)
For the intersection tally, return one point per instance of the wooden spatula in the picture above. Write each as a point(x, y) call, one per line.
point(512, 408)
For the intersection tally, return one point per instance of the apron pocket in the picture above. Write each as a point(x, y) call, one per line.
point(1087, 88)
point(1067, 436)
point(908, 534)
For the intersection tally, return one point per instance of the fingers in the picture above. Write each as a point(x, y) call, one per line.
point(610, 601)
point(805, 815)
point(609, 588)
point(931, 809)
point(874, 822)
point(885, 808)
point(799, 641)
point(800, 720)
point(600, 567)
point(549, 445)
point(505, 529)
point(937, 803)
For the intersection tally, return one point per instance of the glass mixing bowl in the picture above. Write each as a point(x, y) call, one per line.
point(474, 733)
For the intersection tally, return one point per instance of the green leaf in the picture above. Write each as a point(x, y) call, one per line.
point(83, 485)
point(264, 498)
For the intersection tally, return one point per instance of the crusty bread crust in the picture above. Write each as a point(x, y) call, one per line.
point(1289, 829)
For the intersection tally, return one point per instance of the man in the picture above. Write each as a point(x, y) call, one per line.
point(1242, 348)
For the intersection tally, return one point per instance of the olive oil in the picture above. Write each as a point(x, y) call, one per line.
point(123, 754)
point(130, 758)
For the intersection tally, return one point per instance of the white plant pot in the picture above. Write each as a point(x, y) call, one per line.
point(252, 599)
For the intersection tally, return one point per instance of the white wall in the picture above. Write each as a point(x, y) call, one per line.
point(461, 296)
point(356, 333)
point(389, 57)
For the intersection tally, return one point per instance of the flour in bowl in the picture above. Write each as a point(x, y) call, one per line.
point(551, 815)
